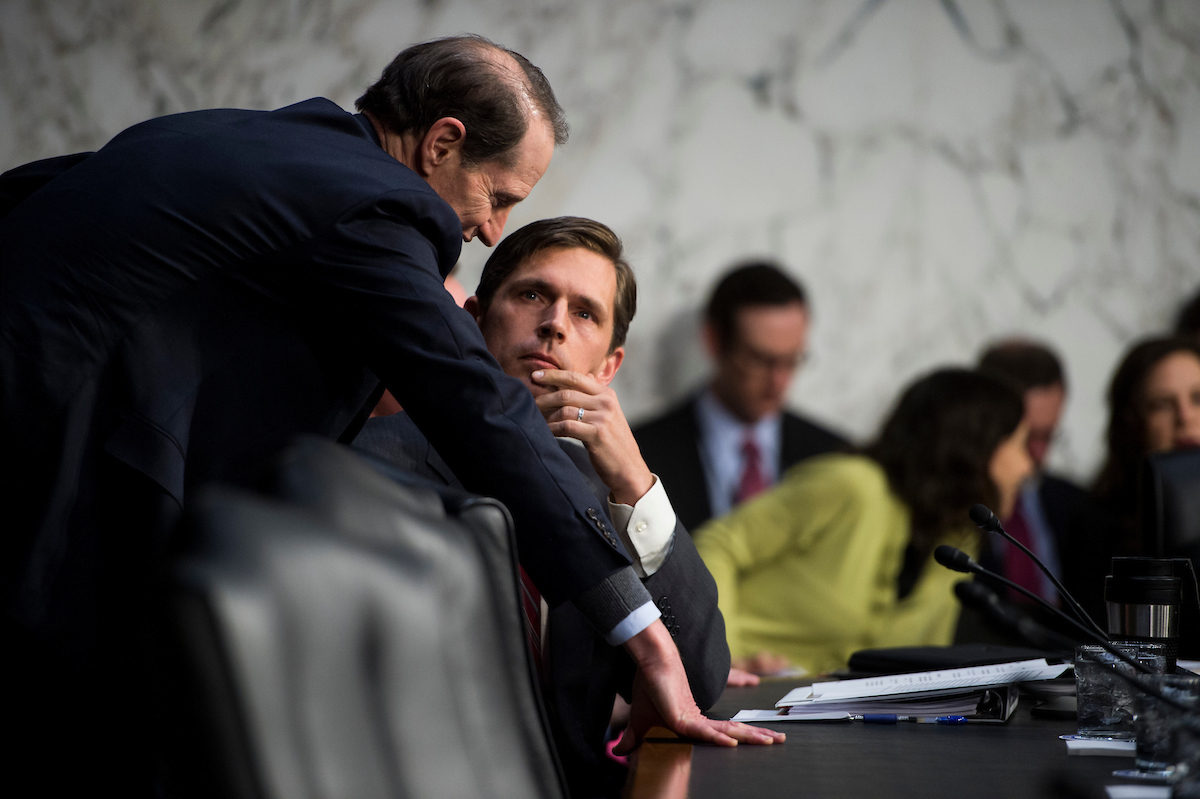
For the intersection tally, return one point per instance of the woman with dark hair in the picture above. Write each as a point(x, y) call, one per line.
point(1154, 406)
point(837, 557)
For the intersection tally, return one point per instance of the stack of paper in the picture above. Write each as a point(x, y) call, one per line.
point(981, 693)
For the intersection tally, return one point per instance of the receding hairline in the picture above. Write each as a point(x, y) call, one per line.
point(508, 69)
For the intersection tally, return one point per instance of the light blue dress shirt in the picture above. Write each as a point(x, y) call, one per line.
point(1043, 543)
point(721, 436)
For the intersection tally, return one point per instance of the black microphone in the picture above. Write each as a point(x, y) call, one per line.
point(959, 561)
point(986, 520)
point(955, 559)
point(1003, 615)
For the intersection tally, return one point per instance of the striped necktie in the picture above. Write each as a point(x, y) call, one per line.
point(531, 603)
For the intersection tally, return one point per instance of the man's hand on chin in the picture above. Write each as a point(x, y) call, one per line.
point(662, 697)
point(603, 430)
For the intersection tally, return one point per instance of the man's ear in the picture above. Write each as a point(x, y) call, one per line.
point(440, 145)
point(471, 306)
point(612, 362)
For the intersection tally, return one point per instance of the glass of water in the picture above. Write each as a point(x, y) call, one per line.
point(1156, 725)
point(1105, 700)
point(1187, 749)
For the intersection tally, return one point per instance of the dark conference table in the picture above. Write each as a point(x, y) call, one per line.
point(1022, 758)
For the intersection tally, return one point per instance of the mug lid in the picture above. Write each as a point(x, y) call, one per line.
point(1126, 590)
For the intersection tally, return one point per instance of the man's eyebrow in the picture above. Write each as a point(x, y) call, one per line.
point(532, 284)
point(591, 306)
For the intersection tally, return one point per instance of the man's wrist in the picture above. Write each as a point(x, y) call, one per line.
point(652, 646)
point(629, 491)
point(633, 624)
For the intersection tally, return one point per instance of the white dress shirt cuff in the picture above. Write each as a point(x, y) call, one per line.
point(633, 624)
point(646, 528)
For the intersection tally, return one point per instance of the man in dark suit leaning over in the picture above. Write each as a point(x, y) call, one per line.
point(177, 306)
point(554, 304)
point(733, 439)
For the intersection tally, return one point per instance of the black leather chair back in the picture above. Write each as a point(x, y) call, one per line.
point(373, 502)
point(366, 645)
point(1170, 511)
point(1170, 504)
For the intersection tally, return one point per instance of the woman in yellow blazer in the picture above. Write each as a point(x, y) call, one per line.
point(837, 556)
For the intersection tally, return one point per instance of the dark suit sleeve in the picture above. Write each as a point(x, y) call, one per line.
point(374, 278)
point(17, 184)
point(686, 595)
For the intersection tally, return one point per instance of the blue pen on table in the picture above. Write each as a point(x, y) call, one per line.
point(891, 718)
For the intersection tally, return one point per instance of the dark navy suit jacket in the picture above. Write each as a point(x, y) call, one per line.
point(584, 673)
point(178, 305)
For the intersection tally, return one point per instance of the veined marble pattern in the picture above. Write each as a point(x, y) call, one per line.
point(938, 173)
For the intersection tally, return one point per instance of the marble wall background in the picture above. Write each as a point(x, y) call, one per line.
point(939, 173)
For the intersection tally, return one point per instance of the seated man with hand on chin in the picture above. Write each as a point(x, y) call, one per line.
point(554, 304)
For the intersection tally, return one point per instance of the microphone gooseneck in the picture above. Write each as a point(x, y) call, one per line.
point(1190, 717)
point(959, 561)
point(951, 555)
point(983, 599)
point(985, 520)
point(976, 595)
point(980, 597)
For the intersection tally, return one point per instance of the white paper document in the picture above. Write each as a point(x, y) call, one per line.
point(957, 705)
point(923, 683)
point(783, 715)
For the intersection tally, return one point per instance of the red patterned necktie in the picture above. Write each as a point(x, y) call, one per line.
point(1018, 566)
point(531, 603)
point(754, 477)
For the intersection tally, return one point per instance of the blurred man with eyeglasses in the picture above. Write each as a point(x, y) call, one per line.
point(733, 439)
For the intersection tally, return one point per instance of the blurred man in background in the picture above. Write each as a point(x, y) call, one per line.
point(733, 439)
point(1048, 516)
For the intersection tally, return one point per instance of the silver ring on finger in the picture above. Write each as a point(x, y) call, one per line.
point(579, 416)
